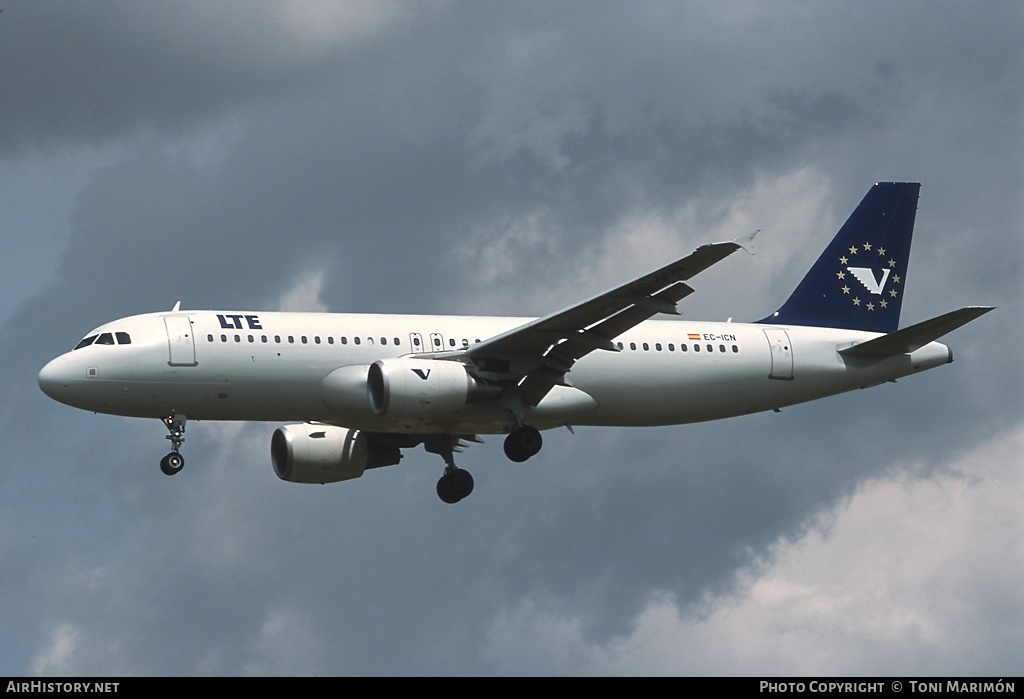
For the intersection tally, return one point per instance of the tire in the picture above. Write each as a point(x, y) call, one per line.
point(172, 463)
point(522, 443)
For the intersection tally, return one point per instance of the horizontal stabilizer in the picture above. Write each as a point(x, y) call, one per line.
point(916, 336)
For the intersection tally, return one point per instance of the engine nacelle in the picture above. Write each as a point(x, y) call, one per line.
point(326, 454)
point(344, 390)
point(405, 387)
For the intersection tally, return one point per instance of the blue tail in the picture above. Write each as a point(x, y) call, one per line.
point(858, 282)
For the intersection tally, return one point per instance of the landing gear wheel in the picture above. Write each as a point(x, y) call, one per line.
point(172, 463)
point(454, 485)
point(522, 443)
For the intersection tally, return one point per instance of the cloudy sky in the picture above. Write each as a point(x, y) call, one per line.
point(510, 158)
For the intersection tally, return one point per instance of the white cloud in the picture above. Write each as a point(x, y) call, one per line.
point(315, 27)
point(287, 644)
point(917, 573)
point(304, 294)
point(58, 655)
point(531, 259)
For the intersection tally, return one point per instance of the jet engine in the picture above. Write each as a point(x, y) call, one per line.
point(309, 453)
point(410, 388)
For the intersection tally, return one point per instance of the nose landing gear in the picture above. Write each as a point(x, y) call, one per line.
point(174, 462)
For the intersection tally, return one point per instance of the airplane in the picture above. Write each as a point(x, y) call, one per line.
point(357, 389)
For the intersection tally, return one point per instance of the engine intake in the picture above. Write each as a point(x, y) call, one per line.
point(310, 453)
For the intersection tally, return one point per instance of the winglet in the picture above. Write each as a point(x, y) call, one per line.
point(747, 242)
point(177, 307)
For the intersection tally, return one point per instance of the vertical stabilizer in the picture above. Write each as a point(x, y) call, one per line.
point(858, 282)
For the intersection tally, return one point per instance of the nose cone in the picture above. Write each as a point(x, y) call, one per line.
point(55, 379)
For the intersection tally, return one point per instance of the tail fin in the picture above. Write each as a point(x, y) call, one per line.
point(858, 282)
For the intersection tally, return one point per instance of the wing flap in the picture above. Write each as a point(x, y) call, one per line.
point(916, 336)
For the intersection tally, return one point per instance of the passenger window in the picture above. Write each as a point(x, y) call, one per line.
point(330, 339)
point(383, 341)
point(632, 345)
point(223, 338)
point(721, 348)
point(657, 346)
point(683, 348)
point(646, 347)
point(316, 339)
point(86, 342)
point(396, 342)
point(263, 339)
point(710, 348)
point(344, 340)
point(277, 339)
point(125, 339)
point(735, 349)
point(251, 339)
point(304, 340)
point(671, 347)
point(238, 338)
point(696, 348)
point(209, 338)
point(291, 339)
point(355, 340)
point(451, 341)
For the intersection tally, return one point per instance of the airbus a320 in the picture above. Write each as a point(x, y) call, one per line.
point(357, 389)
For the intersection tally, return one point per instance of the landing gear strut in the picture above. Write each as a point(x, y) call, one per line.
point(522, 443)
point(456, 483)
point(174, 462)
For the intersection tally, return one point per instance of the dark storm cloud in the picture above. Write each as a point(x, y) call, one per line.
point(258, 148)
point(91, 73)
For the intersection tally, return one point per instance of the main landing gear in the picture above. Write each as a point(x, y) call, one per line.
point(174, 462)
point(522, 443)
point(456, 483)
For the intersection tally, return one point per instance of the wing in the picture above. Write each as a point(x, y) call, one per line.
point(539, 354)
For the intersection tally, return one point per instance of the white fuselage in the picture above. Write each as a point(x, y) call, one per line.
point(218, 365)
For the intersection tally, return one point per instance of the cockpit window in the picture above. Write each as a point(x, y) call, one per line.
point(123, 338)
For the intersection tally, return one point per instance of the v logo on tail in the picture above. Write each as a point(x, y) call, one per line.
point(866, 276)
point(858, 282)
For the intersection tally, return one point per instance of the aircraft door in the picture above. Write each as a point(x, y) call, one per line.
point(416, 342)
point(436, 342)
point(782, 354)
point(180, 343)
